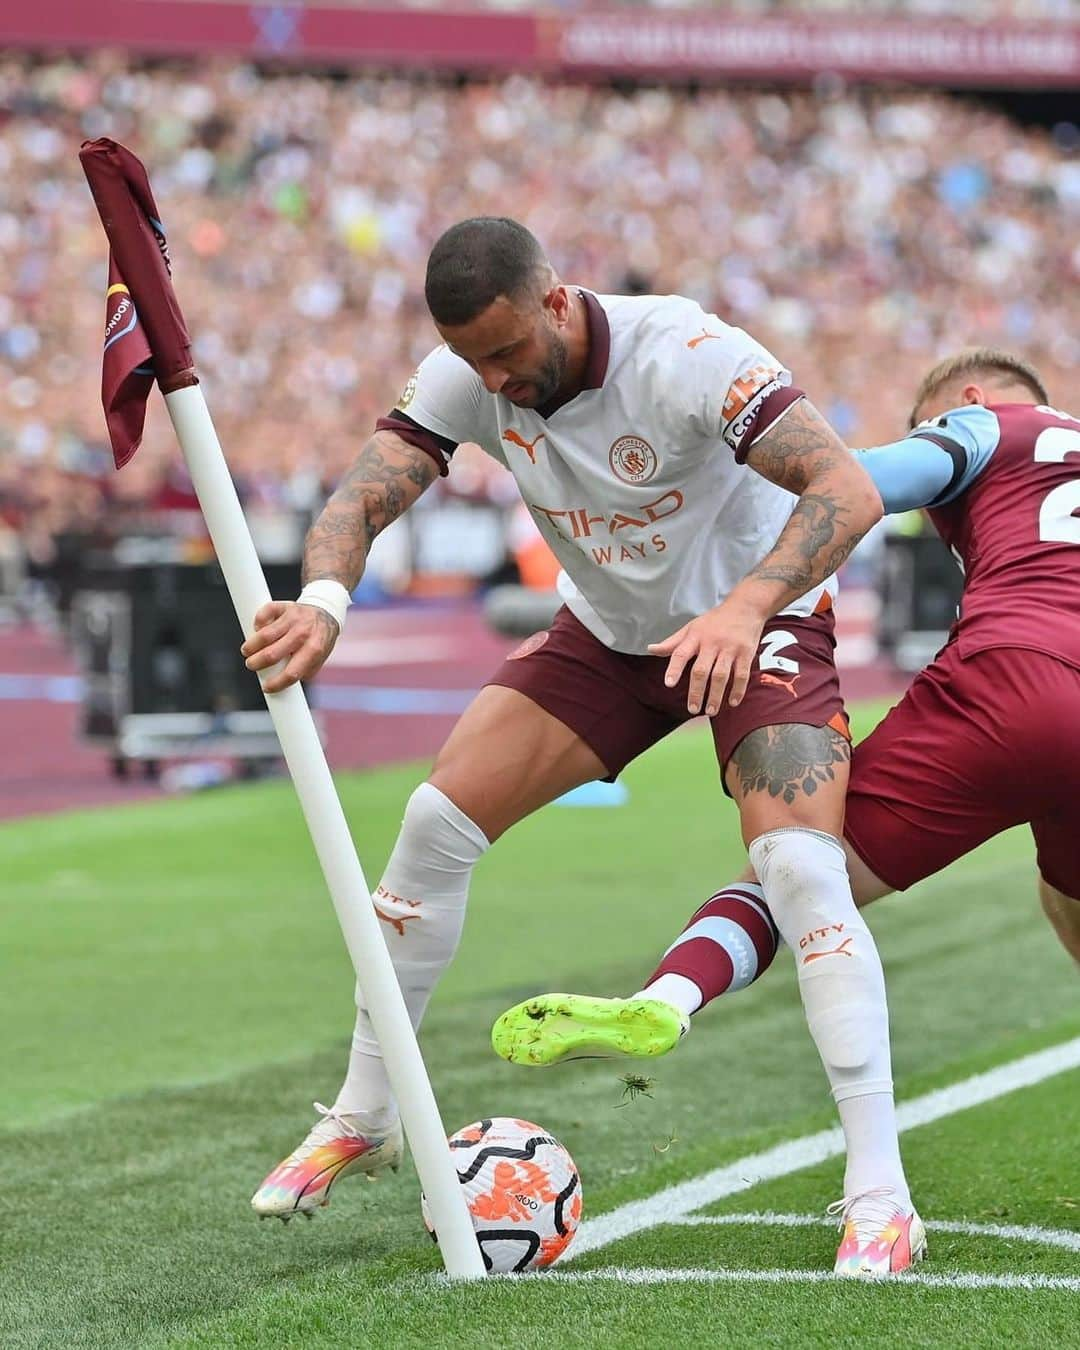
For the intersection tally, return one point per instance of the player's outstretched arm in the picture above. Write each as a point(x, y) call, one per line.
point(837, 504)
point(388, 476)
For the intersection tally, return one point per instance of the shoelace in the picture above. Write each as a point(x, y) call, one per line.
point(331, 1115)
point(875, 1210)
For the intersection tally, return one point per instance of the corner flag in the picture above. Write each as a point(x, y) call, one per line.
point(146, 341)
point(146, 338)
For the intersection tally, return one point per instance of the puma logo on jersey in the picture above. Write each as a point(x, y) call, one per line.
point(702, 337)
point(789, 685)
point(528, 446)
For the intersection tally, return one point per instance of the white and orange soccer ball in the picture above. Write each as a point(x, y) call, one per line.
point(523, 1192)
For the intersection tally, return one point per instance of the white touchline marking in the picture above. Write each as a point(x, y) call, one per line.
point(665, 1275)
point(675, 1202)
point(1046, 1237)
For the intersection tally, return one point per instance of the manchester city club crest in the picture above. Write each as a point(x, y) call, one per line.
point(633, 459)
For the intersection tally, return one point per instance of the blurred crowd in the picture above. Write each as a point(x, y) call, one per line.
point(858, 234)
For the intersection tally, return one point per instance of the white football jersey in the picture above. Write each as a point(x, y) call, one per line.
point(635, 483)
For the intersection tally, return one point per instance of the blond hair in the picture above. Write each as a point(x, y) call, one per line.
point(1003, 366)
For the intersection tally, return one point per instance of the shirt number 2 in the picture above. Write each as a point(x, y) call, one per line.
point(1058, 519)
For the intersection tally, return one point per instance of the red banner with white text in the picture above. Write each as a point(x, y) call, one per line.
point(693, 44)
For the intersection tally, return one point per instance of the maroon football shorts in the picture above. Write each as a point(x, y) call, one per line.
point(974, 747)
point(619, 705)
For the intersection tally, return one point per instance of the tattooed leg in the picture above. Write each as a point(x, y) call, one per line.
point(791, 774)
point(782, 776)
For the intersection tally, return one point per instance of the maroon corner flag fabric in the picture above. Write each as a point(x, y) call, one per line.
point(146, 338)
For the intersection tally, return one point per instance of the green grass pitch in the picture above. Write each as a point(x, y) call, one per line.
point(174, 993)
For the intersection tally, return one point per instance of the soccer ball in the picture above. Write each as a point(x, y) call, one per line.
point(523, 1192)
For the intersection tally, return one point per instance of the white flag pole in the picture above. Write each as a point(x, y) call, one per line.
point(330, 834)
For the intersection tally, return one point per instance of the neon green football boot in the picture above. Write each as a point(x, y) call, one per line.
point(554, 1027)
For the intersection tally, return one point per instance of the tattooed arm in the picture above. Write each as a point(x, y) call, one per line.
point(388, 476)
point(837, 504)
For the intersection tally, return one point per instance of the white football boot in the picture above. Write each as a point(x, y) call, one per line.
point(339, 1144)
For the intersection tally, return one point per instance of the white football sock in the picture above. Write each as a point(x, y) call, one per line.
point(842, 985)
point(677, 990)
point(421, 901)
point(873, 1149)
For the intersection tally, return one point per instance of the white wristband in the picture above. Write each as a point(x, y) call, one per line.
point(330, 596)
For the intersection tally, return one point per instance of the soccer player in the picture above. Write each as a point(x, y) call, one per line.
point(986, 737)
point(698, 505)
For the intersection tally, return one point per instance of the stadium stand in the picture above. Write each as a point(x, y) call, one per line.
point(858, 233)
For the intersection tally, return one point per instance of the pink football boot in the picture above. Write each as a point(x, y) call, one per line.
point(339, 1144)
point(879, 1237)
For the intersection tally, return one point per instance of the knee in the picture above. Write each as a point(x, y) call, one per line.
point(436, 831)
point(798, 867)
point(455, 778)
point(433, 819)
point(423, 811)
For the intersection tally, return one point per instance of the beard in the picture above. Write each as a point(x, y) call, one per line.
point(550, 375)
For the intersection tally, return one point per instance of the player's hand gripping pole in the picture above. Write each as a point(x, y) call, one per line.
point(138, 256)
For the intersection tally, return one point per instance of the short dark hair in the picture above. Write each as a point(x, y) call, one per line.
point(1002, 366)
point(476, 261)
